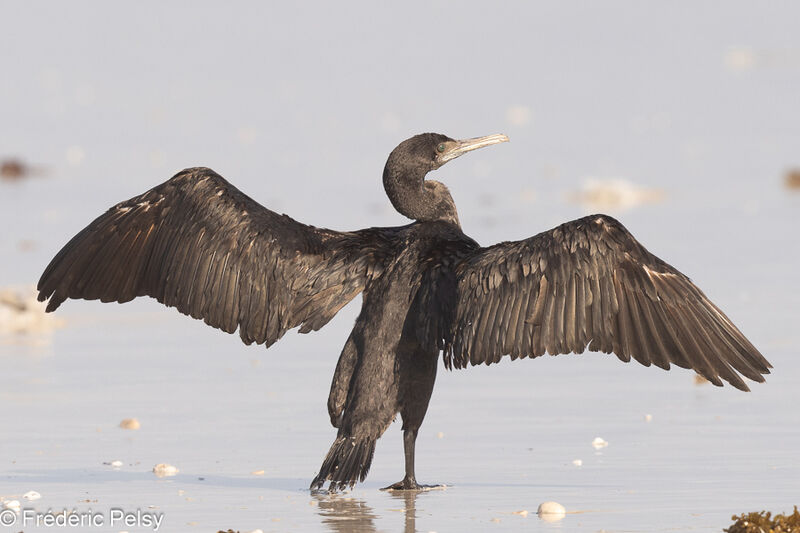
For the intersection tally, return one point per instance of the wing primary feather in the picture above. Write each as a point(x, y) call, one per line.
point(746, 348)
point(548, 319)
point(122, 286)
point(658, 353)
point(479, 353)
point(533, 339)
point(641, 343)
point(522, 336)
point(78, 276)
point(94, 277)
point(185, 267)
point(137, 265)
point(536, 316)
point(512, 319)
point(193, 273)
point(694, 354)
point(623, 347)
point(170, 280)
point(492, 327)
point(580, 312)
point(559, 306)
point(570, 315)
point(718, 339)
point(712, 352)
point(609, 313)
point(599, 332)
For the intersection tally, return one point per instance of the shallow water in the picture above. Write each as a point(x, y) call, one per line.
point(282, 103)
point(503, 439)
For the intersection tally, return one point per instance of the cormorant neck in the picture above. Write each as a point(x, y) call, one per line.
point(417, 198)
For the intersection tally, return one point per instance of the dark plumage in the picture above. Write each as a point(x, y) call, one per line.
point(200, 245)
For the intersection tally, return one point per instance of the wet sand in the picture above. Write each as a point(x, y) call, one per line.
point(502, 438)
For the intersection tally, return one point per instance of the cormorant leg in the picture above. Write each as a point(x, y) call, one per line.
point(410, 481)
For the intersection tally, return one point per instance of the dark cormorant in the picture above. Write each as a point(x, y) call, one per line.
point(200, 245)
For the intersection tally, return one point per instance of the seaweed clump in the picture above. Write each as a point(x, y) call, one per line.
point(763, 522)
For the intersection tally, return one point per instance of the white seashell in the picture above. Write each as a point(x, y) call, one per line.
point(21, 313)
point(577, 462)
point(648, 418)
point(165, 470)
point(599, 443)
point(130, 423)
point(116, 464)
point(614, 193)
point(551, 511)
point(12, 504)
point(31, 495)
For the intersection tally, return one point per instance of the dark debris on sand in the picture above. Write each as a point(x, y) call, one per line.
point(792, 179)
point(763, 522)
point(12, 169)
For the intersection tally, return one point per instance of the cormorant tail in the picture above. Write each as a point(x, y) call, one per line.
point(347, 462)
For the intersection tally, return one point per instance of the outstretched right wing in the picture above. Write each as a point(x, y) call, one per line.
point(590, 283)
point(200, 245)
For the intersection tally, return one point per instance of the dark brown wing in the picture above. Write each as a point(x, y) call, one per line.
point(200, 245)
point(590, 283)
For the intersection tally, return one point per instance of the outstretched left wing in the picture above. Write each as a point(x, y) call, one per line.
point(589, 283)
point(198, 244)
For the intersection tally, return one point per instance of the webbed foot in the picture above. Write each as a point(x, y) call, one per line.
point(411, 484)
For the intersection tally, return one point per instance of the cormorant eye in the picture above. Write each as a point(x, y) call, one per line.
point(440, 148)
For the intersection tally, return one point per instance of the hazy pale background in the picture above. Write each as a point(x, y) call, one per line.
point(299, 107)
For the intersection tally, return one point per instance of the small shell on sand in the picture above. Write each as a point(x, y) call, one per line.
point(116, 464)
point(613, 193)
point(648, 418)
point(522, 513)
point(165, 470)
point(21, 313)
point(130, 423)
point(12, 504)
point(257, 473)
point(32, 495)
point(598, 443)
point(577, 462)
point(551, 511)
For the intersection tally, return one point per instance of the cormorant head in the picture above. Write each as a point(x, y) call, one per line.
point(404, 174)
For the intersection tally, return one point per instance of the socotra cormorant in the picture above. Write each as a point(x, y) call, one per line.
point(200, 245)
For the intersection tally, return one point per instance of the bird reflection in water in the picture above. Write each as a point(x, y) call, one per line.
point(353, 515)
